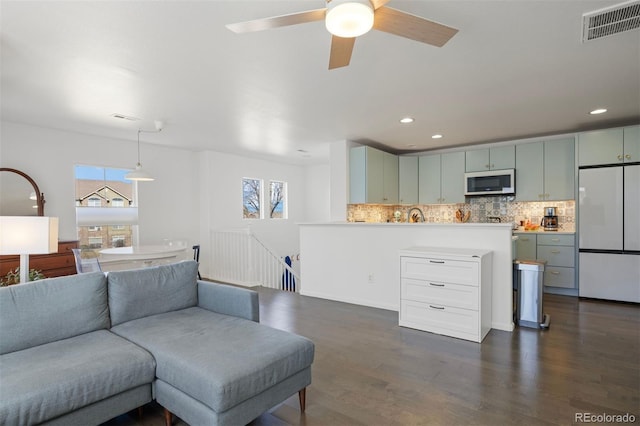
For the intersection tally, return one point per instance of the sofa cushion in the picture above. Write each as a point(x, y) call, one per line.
point(44, 311)
point(148, 291)
point(46, 381)
point(218, 359)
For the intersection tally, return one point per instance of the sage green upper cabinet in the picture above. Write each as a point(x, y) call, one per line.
point(373, 176)
point(559, 169)
point(408, 179)
point(530, 171)
point(452, 177)
point(545, 170)
point(441, 178)
point(610, 146)
point(389, 178)
point(632, 144)
point(496, 158)
point(429, 180)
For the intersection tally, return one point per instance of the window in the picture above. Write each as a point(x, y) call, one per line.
point(95, 242)
point(106, 209)
point(251, 197)
point(278, 198)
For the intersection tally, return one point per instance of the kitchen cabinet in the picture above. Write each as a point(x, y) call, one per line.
point(408, 179)
point(559, 253)
point(441, 178)
point(446, 291)
point(610, 276)
point(545, 170)
point(497, 158)
point(526, 246)
point(373, 176)
point(610, 146)
point(557, 250)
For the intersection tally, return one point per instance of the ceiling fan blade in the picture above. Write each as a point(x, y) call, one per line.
point(379, 3)
point(341, 49)
point(278, 21)
point(413, 27)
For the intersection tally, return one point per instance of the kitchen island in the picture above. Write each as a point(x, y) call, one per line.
point(359, 262)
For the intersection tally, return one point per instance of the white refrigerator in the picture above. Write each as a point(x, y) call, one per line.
point(609, 232)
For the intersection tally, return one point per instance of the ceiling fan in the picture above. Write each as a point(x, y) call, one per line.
point(348, 19)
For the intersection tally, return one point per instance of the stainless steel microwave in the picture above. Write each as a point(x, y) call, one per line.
point(490, 182)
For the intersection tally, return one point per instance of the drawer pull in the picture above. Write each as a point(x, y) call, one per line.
point(555, 239)
point(555, 251)
point(555, 272)
point(436, 261)
point(441, 308)
point(436, 285)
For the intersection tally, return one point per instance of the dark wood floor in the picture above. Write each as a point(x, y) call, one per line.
point(369, 371)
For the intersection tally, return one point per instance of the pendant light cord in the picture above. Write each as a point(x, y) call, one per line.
point(139, 146)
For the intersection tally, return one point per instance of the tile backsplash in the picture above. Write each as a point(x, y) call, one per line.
point(483, 209)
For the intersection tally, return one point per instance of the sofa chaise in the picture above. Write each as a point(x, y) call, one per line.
point(86, 348)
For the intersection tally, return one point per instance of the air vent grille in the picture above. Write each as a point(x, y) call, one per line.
point(611, 20)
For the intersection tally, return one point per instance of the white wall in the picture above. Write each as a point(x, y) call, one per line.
point(193, 192)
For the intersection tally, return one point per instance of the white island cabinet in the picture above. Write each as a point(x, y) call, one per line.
point(446, 291)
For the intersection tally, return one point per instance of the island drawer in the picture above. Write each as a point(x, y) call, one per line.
point(455, 295)
point(440, 270)
point(451, 321)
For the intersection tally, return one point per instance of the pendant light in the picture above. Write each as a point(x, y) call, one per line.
point(139, 174)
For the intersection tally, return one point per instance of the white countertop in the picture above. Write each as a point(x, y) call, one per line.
point(542, 231)
point(474, 225)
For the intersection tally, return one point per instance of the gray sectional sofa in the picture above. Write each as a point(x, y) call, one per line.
point(86, 348)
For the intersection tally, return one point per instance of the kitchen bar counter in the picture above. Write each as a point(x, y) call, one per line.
point(357, 262)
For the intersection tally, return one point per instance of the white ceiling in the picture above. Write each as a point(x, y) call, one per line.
point(515, 69)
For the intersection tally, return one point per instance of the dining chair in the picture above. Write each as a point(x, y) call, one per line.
point(86, 261)
point(196, 257)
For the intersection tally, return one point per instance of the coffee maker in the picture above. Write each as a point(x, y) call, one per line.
point(550, 220)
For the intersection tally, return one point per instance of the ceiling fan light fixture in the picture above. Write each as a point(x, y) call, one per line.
point(349, 18)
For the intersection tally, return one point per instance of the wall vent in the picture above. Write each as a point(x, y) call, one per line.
point(611, 20)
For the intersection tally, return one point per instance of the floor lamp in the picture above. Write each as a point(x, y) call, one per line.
point(25, 235)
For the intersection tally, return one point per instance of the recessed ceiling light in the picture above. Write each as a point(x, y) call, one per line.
point(437, 136)
point(598, 111)
point(406, 120)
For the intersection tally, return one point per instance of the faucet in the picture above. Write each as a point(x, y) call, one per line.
point(409, 216)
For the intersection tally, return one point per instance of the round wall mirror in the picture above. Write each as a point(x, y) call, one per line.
point(19, 194)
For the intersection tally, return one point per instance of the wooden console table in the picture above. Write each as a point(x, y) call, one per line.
point(51, 265)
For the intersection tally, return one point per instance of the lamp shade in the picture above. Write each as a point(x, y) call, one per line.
point(349, 18)
point(139, 174)
point(28, 235)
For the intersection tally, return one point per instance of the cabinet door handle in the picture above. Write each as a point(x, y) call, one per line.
point(486, 166)
point(555, 251)
point(436, 261)
point(492, 166)
point(620, 157)
point(628, 157)
point(436, 285)
point(441, 308)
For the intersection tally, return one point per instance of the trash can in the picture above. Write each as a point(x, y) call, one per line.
point(528, 285)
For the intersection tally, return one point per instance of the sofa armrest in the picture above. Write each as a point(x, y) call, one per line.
point(229, 300)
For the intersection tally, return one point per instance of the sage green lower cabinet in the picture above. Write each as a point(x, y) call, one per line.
point(526, 246)
point(441, 178)
point(558, 251)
